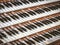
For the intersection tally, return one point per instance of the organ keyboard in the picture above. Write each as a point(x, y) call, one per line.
point(29, 22)
point(15, 5)
point(44, 37)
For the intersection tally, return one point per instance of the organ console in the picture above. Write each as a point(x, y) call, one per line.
point(29, 22)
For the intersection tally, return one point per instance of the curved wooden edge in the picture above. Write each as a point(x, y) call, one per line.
point(55, 43)
point(30, 8)
point(38, 33)
point(32, 21)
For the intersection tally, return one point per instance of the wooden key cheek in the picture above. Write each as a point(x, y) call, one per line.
point(55, 43)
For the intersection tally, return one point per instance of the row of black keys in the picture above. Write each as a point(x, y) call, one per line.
point(37, 38)
point(25, 15)
point(12, 32)
point(17, 3)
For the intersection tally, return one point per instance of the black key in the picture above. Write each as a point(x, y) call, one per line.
point(25, 1)
point(15, 31)
point(53, 8)
point(21, 43)
point(53, 20)
point(19, 3)
point(21, 15)
point(28, 42)
point(1, 37)
point(58, 17)
point(1, 42)
point(21, 29)
point(12, 43)
point(16, 17)
point(5, 19)
point(33, 1)
point(8, 18)
point(2, 7)
point(25, 15)
point(46, 9)
point(47, 36)
point(8, 33)
point(31, 13)
point(2, 20)
point(3, 34)
point(32, 26)
point(38, 24)
point(46, 22)
point(31, 41)
point(52, 33)
point(17, 43)
point(7, 5)
point(58, 6)
point(13, 17)
point(28, 27)
point(57, 33)
point(12, 32)
point(58, 30)
point(36, 39)
point(41, 38)
point(39, 11)
point(41, 0)
point(14, 3)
